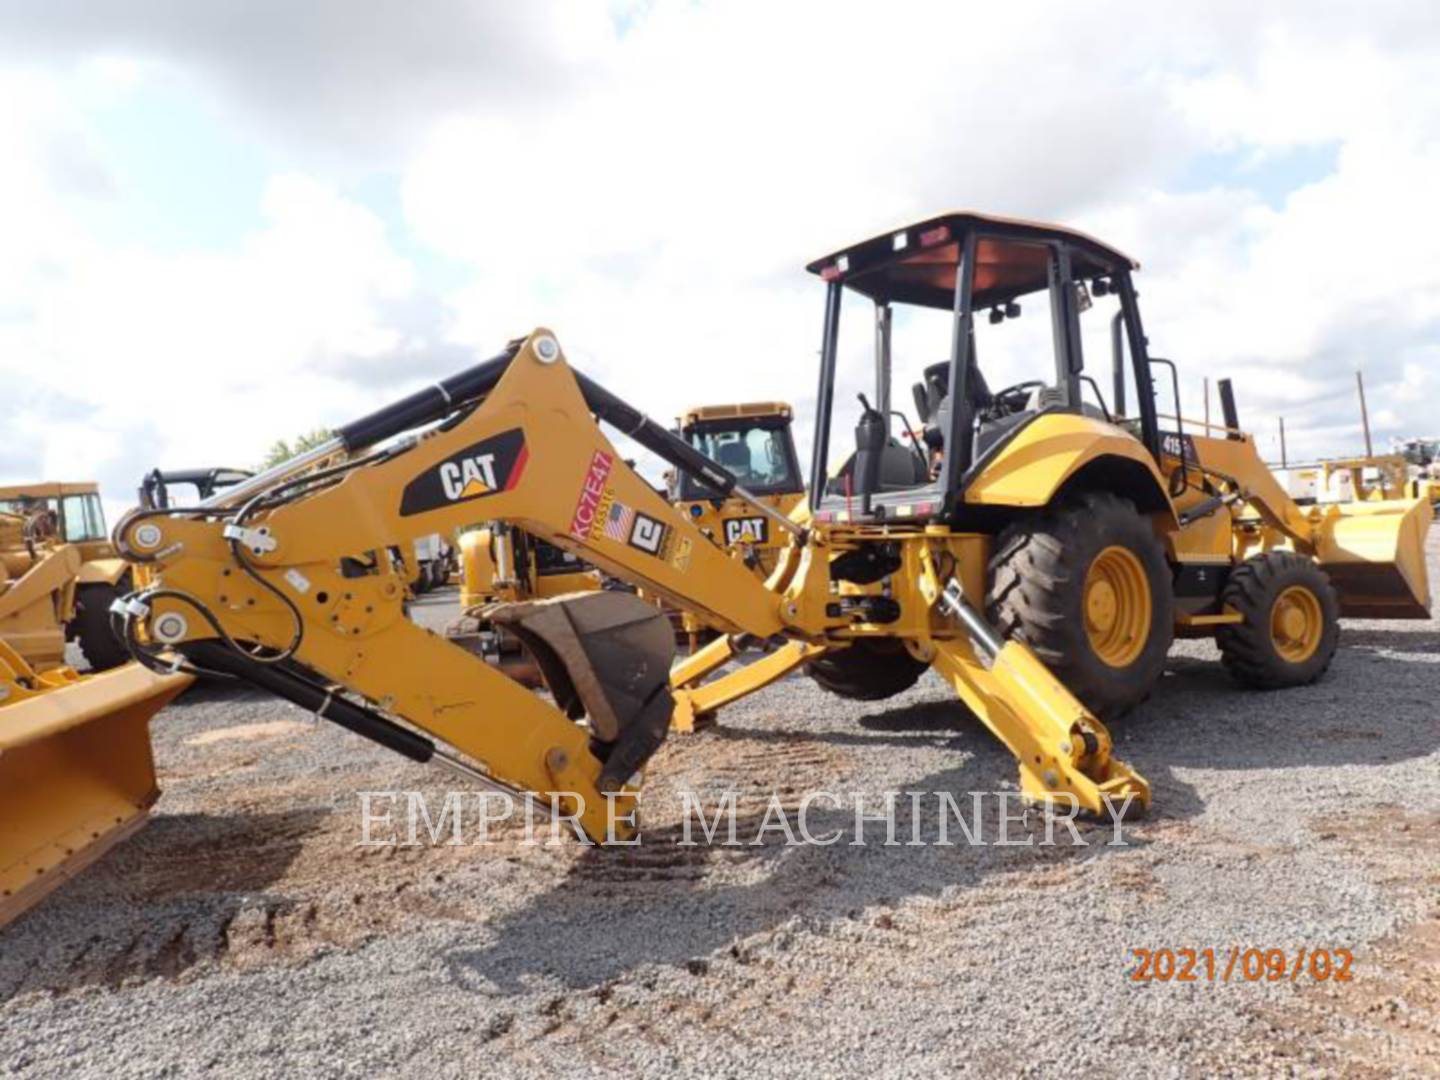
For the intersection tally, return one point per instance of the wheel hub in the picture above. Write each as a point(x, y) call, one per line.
point(1296, 624)
point(1117, 606)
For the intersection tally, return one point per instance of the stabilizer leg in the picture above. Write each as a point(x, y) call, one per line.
point(702, 662)
point(697, 702)
point(1064, 752)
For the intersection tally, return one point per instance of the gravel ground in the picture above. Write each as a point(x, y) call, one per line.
point(244, 932)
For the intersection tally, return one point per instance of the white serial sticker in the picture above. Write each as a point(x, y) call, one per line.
point(298, 581)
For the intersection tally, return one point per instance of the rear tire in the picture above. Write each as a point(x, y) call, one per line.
point(1085, 584)
point(99, 645)
point(867, 670)
point(1292, 622)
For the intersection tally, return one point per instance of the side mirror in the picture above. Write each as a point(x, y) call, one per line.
point(1100, 287)
point(1012, 310)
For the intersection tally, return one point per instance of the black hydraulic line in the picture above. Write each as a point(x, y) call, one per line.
point(655, 437)
point(435, 402)
point(283, 682)
point(423, 406)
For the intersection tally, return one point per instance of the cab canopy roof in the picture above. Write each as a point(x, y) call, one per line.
point(52, 490)
point(917, 264)
point(750, 410)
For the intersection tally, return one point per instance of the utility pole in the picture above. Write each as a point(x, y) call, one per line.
point(1282, 442)
point(1364, 413)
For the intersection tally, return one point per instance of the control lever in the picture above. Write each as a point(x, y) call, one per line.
point(870, 438)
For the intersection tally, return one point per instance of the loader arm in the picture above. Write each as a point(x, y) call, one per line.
point(294, 589)
point(1373, 551)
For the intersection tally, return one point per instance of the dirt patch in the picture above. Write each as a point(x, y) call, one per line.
point(270, 729)
point(1385, 1020)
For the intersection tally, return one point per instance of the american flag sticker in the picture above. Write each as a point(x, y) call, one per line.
point(618, 521)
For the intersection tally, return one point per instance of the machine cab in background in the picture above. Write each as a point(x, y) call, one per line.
point(980, 318)
point(755, 443)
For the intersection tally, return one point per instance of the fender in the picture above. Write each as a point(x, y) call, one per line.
point(1030, 468)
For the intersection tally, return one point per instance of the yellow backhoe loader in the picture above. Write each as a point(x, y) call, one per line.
point(753, 442)
point(1037, 550)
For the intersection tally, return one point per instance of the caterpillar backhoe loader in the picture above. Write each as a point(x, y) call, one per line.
point(1035, 549)
point(754, 443)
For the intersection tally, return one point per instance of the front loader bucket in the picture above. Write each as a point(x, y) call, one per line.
point(76, 773)
point(1374, 553)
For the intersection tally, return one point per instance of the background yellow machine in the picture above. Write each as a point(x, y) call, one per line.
point(755, 443)
point(503, 564)
point(1036, 549)
point(53, 514)
point(76, 775)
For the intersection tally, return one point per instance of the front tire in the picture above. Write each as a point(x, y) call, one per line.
point(1292, 622)
point(98, 644)
point(1086, 585)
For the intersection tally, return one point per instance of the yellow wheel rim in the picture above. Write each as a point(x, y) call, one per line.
point(1117, 606)
point(1296, 624)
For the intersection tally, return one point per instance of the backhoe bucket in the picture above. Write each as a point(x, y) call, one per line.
point(605, 655)
point(76, 772)
point(1374, 553)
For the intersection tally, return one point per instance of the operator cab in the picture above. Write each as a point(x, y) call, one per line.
point(957, 286)
point(752, 441)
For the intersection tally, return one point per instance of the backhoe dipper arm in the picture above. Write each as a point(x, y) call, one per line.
point(297, 592)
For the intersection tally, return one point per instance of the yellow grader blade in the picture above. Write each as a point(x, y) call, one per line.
point(1374, 553)
point(76, 772)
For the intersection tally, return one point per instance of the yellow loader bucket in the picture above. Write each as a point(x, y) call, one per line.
point(1374, 553)
point(76, 772)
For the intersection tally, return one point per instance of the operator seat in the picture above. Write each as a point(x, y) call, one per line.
point(735, 457)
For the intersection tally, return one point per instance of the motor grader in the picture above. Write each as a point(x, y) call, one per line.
point(1036, 549)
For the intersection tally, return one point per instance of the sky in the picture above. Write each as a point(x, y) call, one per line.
point(227, 223)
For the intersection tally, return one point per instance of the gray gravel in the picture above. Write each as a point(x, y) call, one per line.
point(244, 933)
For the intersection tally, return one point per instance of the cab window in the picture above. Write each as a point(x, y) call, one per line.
point(758, 456)
point(83, 518)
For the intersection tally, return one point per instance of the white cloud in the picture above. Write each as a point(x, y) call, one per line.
point(121, 358)
point(650, 183)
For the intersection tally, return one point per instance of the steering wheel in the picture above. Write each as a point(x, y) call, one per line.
point(1013, 399)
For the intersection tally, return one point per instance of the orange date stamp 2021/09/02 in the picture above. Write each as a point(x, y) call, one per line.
point(1237, 964)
